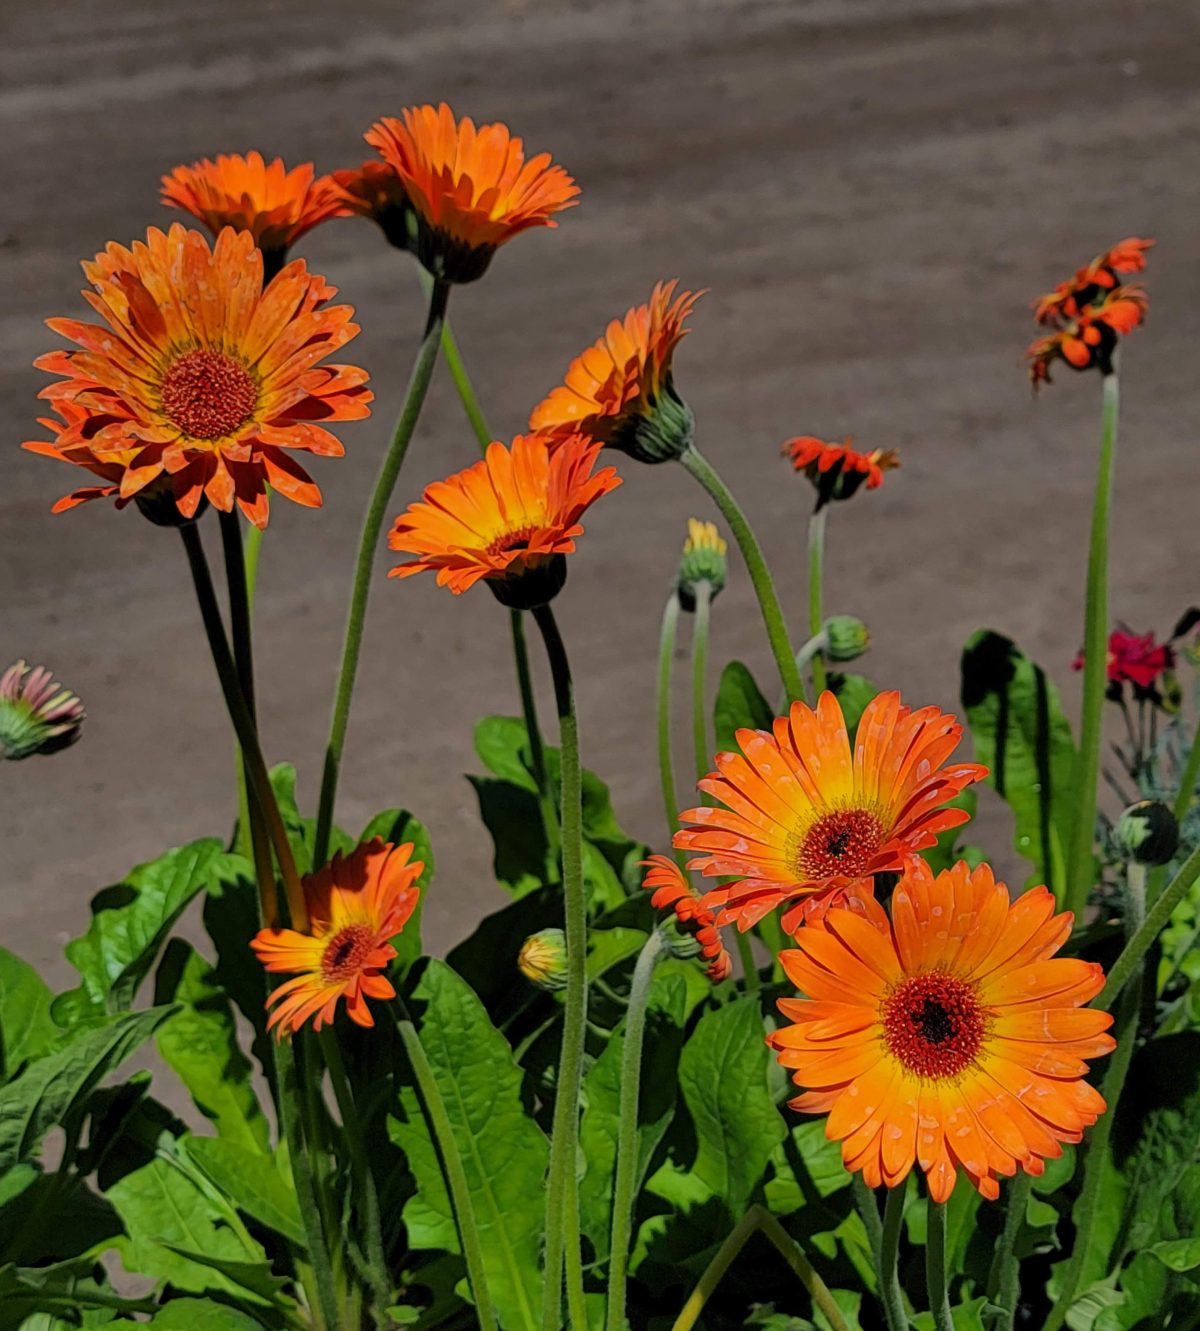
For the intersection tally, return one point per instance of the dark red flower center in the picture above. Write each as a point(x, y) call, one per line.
point(934, 1024)
point(511, 542)
point(839, 844)
point(346, 952)
point(208, 394)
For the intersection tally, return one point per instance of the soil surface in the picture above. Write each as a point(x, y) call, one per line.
point(872, 192)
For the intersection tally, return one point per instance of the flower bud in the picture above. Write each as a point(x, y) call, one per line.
point(157, 503)
point(703, 561)
point(846, 638)
point(37, 715)
point(543, 959)
point(1147, 833)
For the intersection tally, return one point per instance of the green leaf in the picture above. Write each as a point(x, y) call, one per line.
point(806, 1167)
point(399, 826)
point(966, 1317)
point(853, 692)
point(54, 1088)
point(1178, 1254)
point(252, 1181)
point(26, 1027)
point(200, 1043)
point(504, 1152)
point(51, 1218)
point(739, 705)
point(1022, 736)
point(196, 1315)
point(65, 1295)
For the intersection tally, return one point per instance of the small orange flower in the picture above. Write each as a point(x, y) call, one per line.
point(671, 888)
point(949, 1036)
point(356, 904)
point(837, 470)
point(807, 819)
point(472, 188)
point(621, 390)
point(1102, 274)
point(275, 205)
point(373, 190)
point(511, 519)
point(202, 376)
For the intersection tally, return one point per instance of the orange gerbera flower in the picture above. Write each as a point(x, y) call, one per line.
point(621, 390)
point(1089, 338)
point(671, 888)
point(202, 376)
point(374, 190)
point(275, 205)
point(472, 188)
point(949, 1036)
point(510, 519)
point(837, 470)
point(356, 904)
point(806, 818)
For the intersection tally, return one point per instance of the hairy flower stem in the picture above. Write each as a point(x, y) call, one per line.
point(891, 1294)
point(562, 1220)
point(418, 386)
point(816, 572)
point(935, 1266)
point(666, 765)
point(758, 1220)
point(1004, 1278)
point(700, 745)
point(1081, 857)
point(756, 566)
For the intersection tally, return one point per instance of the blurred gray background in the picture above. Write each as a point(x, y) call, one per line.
point(873, 191)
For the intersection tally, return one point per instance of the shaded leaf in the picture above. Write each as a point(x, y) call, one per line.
point(197, 1315)
point(739, 705)
point(251, 1180)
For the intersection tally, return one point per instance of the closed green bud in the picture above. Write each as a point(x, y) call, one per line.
point(703, 561)
point(1147, 833)
point(846, 638)
point(543, 959)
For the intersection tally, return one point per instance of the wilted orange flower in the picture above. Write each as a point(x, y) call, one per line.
point(1091, 281)
point(621, 390)
point(806, 818)
point(356, 904)
point(373, 190)
point(275, 205)
point(837, 470)
point(510, 519)
point(472, 188)
point(949, 1036)
point(201, 376)
point(671, 888)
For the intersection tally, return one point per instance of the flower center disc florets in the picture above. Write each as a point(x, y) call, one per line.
point(346, 952)
point(511, 541)
point(934, 1024)
point(839, 844)
point(208, 394)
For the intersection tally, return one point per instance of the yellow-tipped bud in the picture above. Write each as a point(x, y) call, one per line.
point(543, 959)
point(703, 561)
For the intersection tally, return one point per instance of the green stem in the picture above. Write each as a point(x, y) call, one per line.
point(537, 753)
point(1187, 782)
point(700, 745)
point(625, 1176)
point(1081, 857)
point(562, 1236)
point(816, 616)
point(418, 385)
point(452, 1164)
point(935, 1266)
point(891, 1294)
point(466, 392)
point(756, 566)
point(666, 765)
point(1004, 1278)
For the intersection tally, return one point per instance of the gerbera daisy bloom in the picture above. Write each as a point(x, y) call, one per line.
point(202, 376)
point(837, 470)
point(472, 189)
point(805, 818)
point(672, 889)
point(37, 715)
point(275, 205)
point(949, 1036)
point(621, 390)
point(510, 519)
point(703, 561)
point(356, 904)
point(1089, 338)
point(374, 190)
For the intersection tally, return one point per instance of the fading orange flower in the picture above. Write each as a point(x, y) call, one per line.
point(510, 519)
point(374, 191)
point(949, 1036)
point(671, 888)
point(356, 904)
point(202, 376)
point(837, 470)
point(1102, 274)
point(621, 390)
point(275, 205)
point(807, 819)
point(472, 189)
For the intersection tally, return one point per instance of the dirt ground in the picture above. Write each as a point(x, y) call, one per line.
point(873, 192)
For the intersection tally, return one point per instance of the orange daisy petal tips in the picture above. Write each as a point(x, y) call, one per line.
point(275, 205)
point(621, 390)
point(805, 818)
point(837, 470)
point(672, 890)
point(200, 382)
point(472, 189)
point(356, 904)
point(511, 519)
point(373, 190)
point(949, 1037)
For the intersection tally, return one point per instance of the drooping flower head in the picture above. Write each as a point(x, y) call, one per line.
point(671, 889)
point(510, 519)
point(374, 190)
point(837, 470)
point(472, 189)
point(201, 375)
point(950, 1036)
point(621, 390)
point(1136, 659)
point(275, 205)
point(37, 715)
point(356, 905)
point(703, 561)
point(804, 818)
